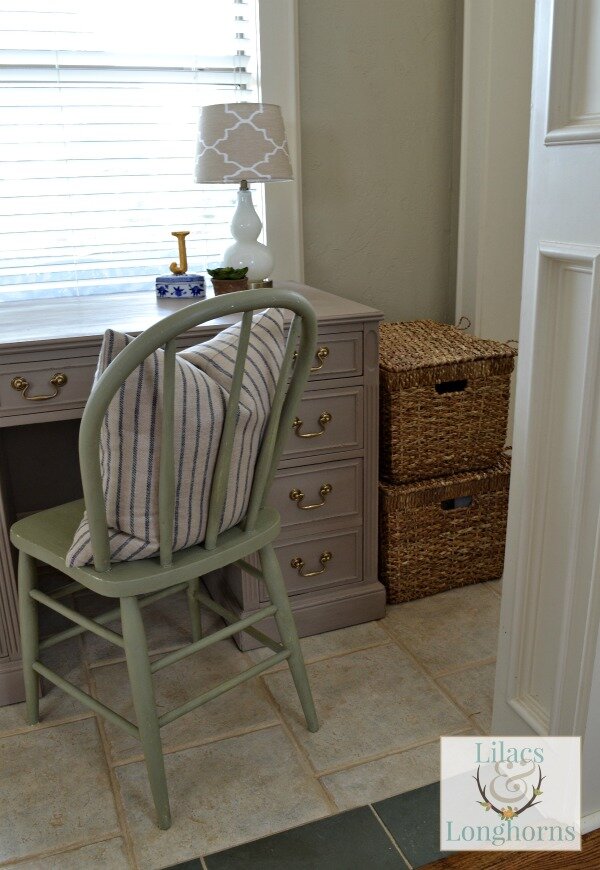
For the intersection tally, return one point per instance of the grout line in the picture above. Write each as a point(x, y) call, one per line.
point(119, 807)
point(478, 727)
point(301, 753)
point(432, 678)
point(453, 669)
point(458, 669)
point(327, 657)
point(330, 798)
point(202, 863)
point(60, 850)
point(390, 837)
point(427, 741)
point(45, 725)
point(183, 747)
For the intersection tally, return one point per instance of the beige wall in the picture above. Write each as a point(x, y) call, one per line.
point(378, 110)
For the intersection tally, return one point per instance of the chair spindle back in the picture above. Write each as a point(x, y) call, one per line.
point(288, 389)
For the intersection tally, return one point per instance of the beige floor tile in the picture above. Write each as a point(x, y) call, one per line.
point(473, 689)
point(222, 794)
point(386, 777)
point(167, 624)
point(369, 702)
point(332, 643)
point(55, 705)
point(243, 708)
point(450, 629)
point(54, 790)
point(108, 855)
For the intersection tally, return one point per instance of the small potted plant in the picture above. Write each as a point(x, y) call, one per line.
point(226, 279)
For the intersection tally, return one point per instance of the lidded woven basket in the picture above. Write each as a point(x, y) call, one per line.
point(440, 534)
point(444, 400)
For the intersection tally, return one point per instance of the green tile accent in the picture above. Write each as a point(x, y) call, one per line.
point(350, 841)
point(194, 864)
point(413, 819)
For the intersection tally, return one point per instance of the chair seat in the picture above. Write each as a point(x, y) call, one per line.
point(47, 536)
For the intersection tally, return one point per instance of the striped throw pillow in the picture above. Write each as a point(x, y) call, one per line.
point(131, 434)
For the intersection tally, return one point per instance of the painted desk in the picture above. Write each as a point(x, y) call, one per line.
point(326, 486)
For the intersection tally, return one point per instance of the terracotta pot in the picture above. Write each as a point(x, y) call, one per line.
point(228, 286)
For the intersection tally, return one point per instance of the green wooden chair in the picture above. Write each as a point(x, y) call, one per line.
point(47, 536)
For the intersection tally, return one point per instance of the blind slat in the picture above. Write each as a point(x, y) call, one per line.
point(97, 139)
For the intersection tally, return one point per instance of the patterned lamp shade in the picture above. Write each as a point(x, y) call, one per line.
point(241, 141)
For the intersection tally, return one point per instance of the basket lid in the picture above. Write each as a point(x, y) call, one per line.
point(419, 493)
point(429, 350)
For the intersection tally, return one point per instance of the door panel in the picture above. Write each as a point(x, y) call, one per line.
point(551, 596)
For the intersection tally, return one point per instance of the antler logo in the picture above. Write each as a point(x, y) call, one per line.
point(510, 784)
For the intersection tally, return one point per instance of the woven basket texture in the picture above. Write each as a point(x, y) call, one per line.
point(444, 400)
point(425, 549)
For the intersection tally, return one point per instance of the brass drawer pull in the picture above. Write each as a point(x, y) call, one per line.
point(297, 495)
point(22, 385)
point(324, 418)
point(321, 355)
point(298, 564)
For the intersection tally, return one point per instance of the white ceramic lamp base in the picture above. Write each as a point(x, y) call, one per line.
point(247, 250)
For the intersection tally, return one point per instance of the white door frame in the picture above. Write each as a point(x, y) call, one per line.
point(563, 696)
point(497, 56)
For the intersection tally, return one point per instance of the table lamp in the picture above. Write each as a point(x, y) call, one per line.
point(243, 142)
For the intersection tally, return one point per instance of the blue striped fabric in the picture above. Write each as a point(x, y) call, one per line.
point(130, 438)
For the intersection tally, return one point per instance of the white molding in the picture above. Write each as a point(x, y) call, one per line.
point(528, 709)
point(582, 604)
point(590, 822)
point(566, 124)
point(497, 64)
point(579, 602)
point(475, 111)
point(577, 131)
point(279, 84)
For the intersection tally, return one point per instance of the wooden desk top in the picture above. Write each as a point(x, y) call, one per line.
point(82, 320)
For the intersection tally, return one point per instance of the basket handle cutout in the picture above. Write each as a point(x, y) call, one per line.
point(451, 386)
point(452, 504)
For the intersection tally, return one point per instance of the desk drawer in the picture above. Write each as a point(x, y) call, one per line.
point(332, 558)
point(30, 388)
point(338, 355)
point(332, 490)
point(327, 420)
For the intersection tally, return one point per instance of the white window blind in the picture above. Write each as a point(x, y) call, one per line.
point(98, 115)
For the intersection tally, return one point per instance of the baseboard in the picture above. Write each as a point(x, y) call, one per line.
point(12, 689)
point(590, 823)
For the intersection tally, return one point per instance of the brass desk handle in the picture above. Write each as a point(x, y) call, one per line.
point(22, 385)
point(321, 355)
point(298, 564)
point(324, 418)
point(297, 495)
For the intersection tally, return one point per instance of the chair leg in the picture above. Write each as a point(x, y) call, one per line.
point(142, 691)
point(289, 635)
point(195, 609)
point(28, 621)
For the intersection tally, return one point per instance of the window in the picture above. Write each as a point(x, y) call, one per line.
point(99, 113)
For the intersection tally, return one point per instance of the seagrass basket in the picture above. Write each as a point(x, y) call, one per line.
point(444, 400)
point(439, 534)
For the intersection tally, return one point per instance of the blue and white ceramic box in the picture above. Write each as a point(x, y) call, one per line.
point(180, 287)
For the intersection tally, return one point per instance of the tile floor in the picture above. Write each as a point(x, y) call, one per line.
point(74, 792)
point(398, 833)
